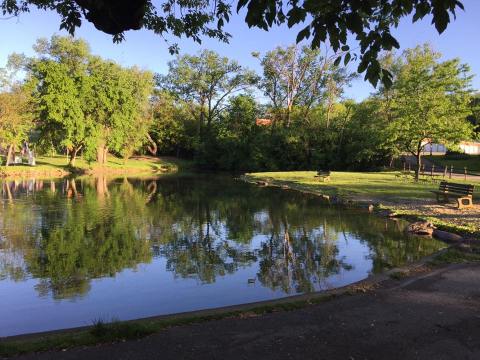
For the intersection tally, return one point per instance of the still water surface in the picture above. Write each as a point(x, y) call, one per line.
point(73, 251)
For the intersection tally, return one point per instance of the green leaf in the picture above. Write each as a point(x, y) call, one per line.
point(303, 34)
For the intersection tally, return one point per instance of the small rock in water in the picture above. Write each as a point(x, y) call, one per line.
point(421, 228)
point(251, 281)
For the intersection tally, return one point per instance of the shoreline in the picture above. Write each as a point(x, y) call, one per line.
point(448, 231)
point(56, 168)
point(66, 338)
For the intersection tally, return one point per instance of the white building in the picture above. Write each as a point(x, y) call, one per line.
point(468, 147)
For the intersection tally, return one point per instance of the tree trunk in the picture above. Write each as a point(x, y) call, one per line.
point(105, 153)
point(9, 155)
point(73, 155)
point(419, 164)
point(289, 115)
point(102, 152)
point(152, 148)
point(72, 158)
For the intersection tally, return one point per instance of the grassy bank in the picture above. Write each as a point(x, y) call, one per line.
point(386, 189)
point(58, 166)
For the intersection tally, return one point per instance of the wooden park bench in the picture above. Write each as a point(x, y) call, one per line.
point(323, 175)
point(462, 192)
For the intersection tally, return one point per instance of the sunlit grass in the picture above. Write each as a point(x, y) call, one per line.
point(378, 185)
point(44, 164)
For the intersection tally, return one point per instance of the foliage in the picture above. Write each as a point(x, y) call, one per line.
point(119, 105)
point(437, 110)
point(204, 82)
point(474, 116)
point(332, 21)
point(84, 102)
point(15, 119)
point(300, 77)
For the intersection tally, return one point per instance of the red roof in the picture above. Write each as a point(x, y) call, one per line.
point(263, 122)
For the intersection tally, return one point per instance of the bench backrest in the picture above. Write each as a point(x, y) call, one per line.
point(464, 189)
point(323, 172)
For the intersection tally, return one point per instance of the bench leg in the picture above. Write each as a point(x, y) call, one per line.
point(464, 202)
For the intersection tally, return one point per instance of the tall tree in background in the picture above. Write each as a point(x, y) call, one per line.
point(300, 77)
point(205, 81)
point(429, 101)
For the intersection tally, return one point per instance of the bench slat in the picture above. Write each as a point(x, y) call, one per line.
point(455, 189)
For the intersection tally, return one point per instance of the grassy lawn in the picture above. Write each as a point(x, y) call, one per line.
point(140, 164)
point(381, 186)
point(472, 163)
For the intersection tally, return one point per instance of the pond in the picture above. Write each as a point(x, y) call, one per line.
point(73, 251)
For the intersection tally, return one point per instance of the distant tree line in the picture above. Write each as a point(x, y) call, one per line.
point(206, 108)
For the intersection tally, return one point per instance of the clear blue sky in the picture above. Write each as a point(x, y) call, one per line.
point(148, 51)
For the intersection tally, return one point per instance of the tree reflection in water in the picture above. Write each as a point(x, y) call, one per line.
point(67, 232)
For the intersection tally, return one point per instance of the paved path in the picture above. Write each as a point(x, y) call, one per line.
point(435, 316)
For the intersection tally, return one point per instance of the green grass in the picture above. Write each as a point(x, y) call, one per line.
point(375, 186)
point(51, 165)
point(454, 256)
point(472, 163)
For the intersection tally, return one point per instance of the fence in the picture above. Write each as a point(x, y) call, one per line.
point(446, 172)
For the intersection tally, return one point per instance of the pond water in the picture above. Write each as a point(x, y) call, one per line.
point(73, 251)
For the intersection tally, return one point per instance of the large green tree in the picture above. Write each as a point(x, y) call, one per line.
point(87, 103)
point(428, 102)
point(119, 105)
point(369, 22)
point(62, 90)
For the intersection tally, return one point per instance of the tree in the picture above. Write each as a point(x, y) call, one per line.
point(429, 101)
point(474, 116)
point(300, 77)
point(86, 103)
point(369, 22)
point(119, 104)
point(173, 128)
point(204, 82)
point(62, 89)
point(15, 119)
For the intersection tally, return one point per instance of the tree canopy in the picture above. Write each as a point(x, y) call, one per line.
point(332, 21)
point(429, 100)
point(87, 103)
